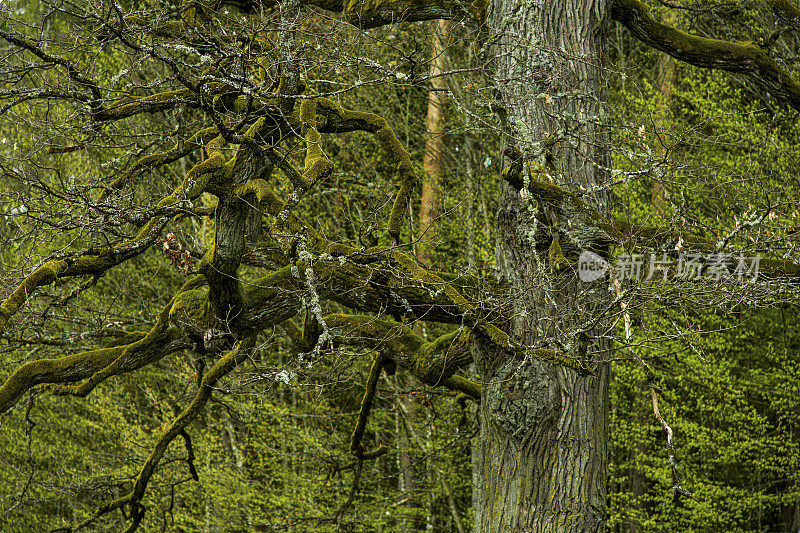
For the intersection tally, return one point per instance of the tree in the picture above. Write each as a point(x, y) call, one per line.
point(161, 108)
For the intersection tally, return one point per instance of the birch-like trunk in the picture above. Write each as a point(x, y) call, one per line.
point(433, 157)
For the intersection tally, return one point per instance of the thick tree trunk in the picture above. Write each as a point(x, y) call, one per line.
point(544, 428)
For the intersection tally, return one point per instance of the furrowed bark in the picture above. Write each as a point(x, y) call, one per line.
point(221, 264)
point(543, 426)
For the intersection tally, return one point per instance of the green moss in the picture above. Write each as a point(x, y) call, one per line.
point(130, 106)
point(258, 187)
point(470, 388)
point(743, 58)
point(319, 169)
point(779, 268)
point(308, 112)
point(389, 142)
point(556, 257)
point(47, 370)
point(366, 404)
point(47, 273)
point(191, 307)
point(478, 9)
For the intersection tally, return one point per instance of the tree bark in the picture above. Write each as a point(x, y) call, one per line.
point(433, 157)
point(544, 427)
point(433, 165)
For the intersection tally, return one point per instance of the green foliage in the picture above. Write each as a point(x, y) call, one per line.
point(710, 154)
point(729, 391)
point(271, 450)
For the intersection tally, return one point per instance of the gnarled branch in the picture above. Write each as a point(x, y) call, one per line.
point(740, 58)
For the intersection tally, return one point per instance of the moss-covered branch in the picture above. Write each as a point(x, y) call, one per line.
point(373, 281)
point(221, 368)
point(465, 386)
point(127, 356)
point(588, 229)
point(366, 405)
point(130, 106)
point(430, 362)
point(154, 160)
point(374, 13)
point(94, 263)
point(83, 365)
point(741, 58)
point(96, 366)
point(325, 115)
point(786, 11)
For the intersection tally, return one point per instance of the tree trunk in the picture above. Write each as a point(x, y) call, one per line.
point(411, 516)
point(433, 157)
point(666, 79)
point(544, 428)
point(433, 163)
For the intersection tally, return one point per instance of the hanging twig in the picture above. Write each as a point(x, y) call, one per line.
point(677, 487)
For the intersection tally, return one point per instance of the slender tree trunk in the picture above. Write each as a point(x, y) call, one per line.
point(543, 427)
point(667, 77)
point(433, 163)
point(790, 512)
point(411, 517)
point(433, 158)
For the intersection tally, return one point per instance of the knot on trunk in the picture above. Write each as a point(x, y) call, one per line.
point(521, 396)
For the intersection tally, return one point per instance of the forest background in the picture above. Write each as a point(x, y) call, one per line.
point(273, 448)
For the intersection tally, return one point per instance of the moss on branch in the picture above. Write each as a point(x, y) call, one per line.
point(221, 368)
point(433, 363)
point(44, 275)
point(366, 404)
point(83, 365)
point(81, 264)
point(589, 229)
point(367, 14)
point(786, 11)
point(130, 106)
point(129, 354)
point(465, 386)
point(742, 58)
point(161, 158)
point(324, 115)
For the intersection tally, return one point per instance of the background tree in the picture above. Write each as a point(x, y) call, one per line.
point(226, 153)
